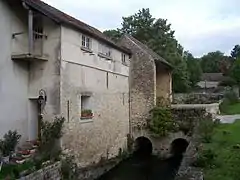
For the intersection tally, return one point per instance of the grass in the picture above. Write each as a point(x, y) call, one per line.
point(8, 169)
point(226, 145)
point(231, 109)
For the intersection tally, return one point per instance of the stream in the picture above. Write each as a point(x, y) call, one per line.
point(148, 168)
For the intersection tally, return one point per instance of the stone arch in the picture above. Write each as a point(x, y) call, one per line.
point(143, 146)
point(179, 146)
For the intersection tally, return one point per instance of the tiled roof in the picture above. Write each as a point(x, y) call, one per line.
point(208, 84)
point(149, 51)
point(63, 18)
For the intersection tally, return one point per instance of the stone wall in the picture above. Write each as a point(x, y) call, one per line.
point(194, 116)
point(95, 171)
point(213, 109)
point(199, 98)
point(52, 172)
point(142, 84)
point(102, 135)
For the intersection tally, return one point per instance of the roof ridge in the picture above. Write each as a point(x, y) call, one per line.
point(148, 50)
point(62, 17)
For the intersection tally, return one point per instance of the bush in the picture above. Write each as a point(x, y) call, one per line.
point(161, 121)
point(50, 133)
point(206, 128)
point(228, 82)
point(9, 143)
point(231, 97)
point(69, 168)
point(224, 105)
point(205, 158)
point(52, 130)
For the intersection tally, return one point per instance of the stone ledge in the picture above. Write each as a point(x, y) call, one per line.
point(96, 170)
point(52, 172)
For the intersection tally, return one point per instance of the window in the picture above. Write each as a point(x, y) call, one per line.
point(123, 58)
point(38, 27)
point(86, 110)
point(107, 81)
point(105, 50)
point(86, 42)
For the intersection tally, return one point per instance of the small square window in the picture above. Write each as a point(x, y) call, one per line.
point(86, 42)
point(86, 110)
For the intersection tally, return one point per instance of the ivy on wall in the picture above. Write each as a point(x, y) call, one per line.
point(161, 122)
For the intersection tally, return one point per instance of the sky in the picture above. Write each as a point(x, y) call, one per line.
point(201, 26)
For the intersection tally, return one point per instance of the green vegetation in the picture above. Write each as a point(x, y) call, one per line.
point(230, 104)
point(9, 142)
point(161, 122)
point(235, 71)
point(231, 109)
point(159, 36)
point(47, 152)
point(157, 33)
point(220, 158)
point(12, 171)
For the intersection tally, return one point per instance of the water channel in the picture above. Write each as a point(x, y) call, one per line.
point(143, 165)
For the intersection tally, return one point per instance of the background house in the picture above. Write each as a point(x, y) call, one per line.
point(210, 82)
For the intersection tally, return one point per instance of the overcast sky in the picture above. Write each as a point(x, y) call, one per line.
point(200, 26)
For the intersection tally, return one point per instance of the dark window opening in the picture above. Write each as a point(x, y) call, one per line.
point(107, 83)
point(38, 27)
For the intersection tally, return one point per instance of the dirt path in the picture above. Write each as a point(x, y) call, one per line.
point(228, 118)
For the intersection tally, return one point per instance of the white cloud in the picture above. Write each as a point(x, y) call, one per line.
point(200, 26)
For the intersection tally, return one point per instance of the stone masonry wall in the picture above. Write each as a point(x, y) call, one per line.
point(103, 135)
point(52, 172)
point(142, 84)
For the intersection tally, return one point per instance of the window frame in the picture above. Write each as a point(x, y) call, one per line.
point(87, 98)
point(105, 50)
point(124, 58)
point(38, 29)
point(86, 42)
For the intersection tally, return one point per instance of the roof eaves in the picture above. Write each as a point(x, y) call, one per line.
point(153, 54)
point(57, 19)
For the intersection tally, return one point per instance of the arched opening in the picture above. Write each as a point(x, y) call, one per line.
point(179, 146)
point(143, 146)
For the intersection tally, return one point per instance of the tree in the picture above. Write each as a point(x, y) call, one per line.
point(115, 35)
point(194, 69)
point(210, 63)
point(225, 65)
point(235, 71)
point(180, 77)
point(235, 53)
point(158, 35)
